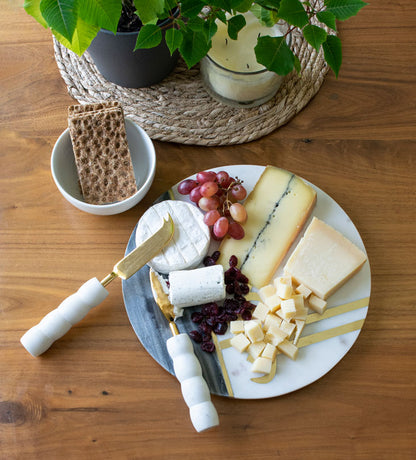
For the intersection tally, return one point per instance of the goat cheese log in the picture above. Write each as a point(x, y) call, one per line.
point(196, 287)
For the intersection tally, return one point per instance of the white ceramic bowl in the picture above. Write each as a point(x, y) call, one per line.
point(64, 171)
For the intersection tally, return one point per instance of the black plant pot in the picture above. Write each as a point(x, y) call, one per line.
point(117, 62)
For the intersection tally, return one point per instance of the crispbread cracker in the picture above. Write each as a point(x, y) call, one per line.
point(102, 155)
point(85, 108)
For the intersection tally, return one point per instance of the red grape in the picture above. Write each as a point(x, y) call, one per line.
point(205, 176)
point(211, 217)
point(238, 192)
point(221, 227)
point(236, 231)
point(185, 187)
point(208, 204)
point(195, 194)
point(209, 188)
point(238, 212)
point(222, 177)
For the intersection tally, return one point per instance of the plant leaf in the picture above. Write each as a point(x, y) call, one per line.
point(102, 13)
point(32, 7)
point(194, 47)
point(274, 54)
point(269, 4)
point(293, 12)
point(210, 28)
point(196, 24)
point(149, 36)
point(333, 53)
point(173, 38)
point(221, 16)
point(327, 18)
point(235, 24)
point(243, 6)
point(149, 10)
point(83, 35)
point(191, 8)
point(314, 35)
point(344, 9)
point(61, 16)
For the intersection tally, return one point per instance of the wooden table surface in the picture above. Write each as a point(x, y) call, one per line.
point(97, 393)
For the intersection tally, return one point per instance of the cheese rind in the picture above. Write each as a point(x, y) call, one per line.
point(324, 259)
point(190, 240)
point(277, 208)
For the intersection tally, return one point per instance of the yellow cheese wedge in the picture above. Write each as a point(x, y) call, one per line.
point(324, 259)
point(277, 208)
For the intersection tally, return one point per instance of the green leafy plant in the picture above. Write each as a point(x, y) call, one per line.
point(75, 23)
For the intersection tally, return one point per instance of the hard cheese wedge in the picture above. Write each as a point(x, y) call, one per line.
point(277, 208)
point(324, 259)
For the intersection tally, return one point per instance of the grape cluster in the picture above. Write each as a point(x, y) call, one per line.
point(218, 195)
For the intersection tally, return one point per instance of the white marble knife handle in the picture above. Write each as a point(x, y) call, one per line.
point(194, 388)
point(58, 322)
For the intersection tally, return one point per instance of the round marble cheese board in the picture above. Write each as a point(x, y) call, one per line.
point(325, 339)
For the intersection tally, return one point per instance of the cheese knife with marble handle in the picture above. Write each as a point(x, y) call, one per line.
point(58, 322)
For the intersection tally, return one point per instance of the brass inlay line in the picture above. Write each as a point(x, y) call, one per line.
point(227, 381)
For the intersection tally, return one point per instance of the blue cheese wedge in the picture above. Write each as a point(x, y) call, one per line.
point(190, 241)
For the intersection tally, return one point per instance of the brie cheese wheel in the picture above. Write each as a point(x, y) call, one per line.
point(190, 241)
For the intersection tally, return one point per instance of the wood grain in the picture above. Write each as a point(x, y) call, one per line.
point(96, 393)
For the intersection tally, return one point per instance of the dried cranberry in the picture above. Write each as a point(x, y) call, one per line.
point(216, 255)
point(220, 328)
point(205, 328)
point(249, 306)
point(233, 261)
point(206, 309)
point(244, 289)
point(208, 261)
point(229, 288)
point(209, 347)
point(239, 297)
point(242, 278)
point(231, 305)
point(211, 321)
point(196, 317)
point(206, 337)
point(246, 315)
point(231, 316)
point(195, 336)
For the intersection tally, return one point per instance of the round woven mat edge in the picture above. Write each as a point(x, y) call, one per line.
point(180, 110)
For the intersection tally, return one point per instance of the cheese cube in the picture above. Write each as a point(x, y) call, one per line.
point(301, 315)
point(275, 335)
point(299, 302)
point(324, 259)
point(273, 302)
point(262, 365)
point(299, 328)
point(317, 304)
point(255, 349)
point(283, 286)
point(261, 311)
point(271, 319)
point(270, 351)
point(287, 328)
point(288, 349)
point(253, 331)
point(288, 308)
point(267, 291)
point(240, 342)
point(303, 290)
point(237, 326)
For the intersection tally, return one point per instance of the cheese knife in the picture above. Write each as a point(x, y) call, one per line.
point(58, 322)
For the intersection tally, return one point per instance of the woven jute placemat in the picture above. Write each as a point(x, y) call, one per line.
point(180, 110)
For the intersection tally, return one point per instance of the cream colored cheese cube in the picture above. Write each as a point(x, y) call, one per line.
point(271, 319)
point(284, 291)
point(301, 315)
point(255, 349)
point(288, 308)
point(317, 304)
point(299, 302)
point(240, 342)
point(262, 365)
point(299, 328)
point(275, 335)
point(267, 291)
point(269, 351)
point(261, 311)
point(253, 331)
point(288, 349)
point(303, 290)
point(273, 302)
point(287, 328)
point(237, 326)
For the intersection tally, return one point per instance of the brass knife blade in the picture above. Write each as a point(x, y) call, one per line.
point(135, 260)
